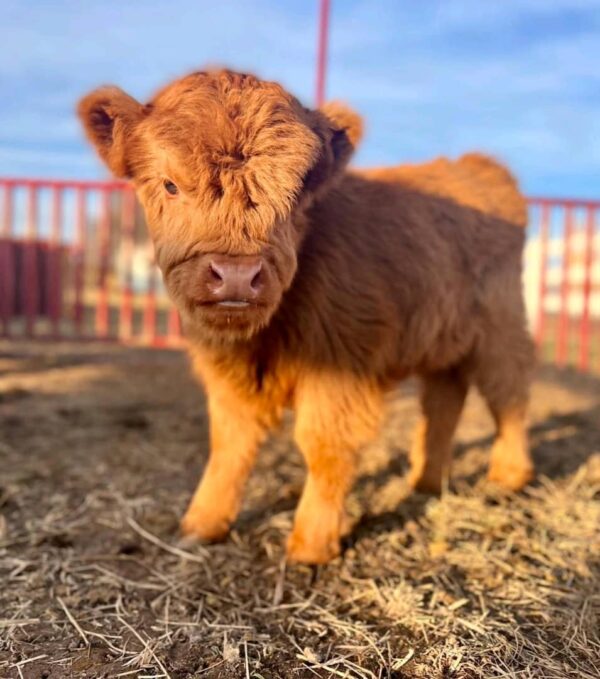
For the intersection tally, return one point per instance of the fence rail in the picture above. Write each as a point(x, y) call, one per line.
point(75, 263)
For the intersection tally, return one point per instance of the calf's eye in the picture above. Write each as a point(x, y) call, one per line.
point(170, 188)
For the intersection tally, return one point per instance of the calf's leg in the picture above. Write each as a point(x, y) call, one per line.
point(335, 416)
point(503, 377)
point(511, 465)
point(235, 435)
point(442, 399)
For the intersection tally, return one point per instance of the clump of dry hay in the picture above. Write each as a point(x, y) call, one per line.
point(474, 584)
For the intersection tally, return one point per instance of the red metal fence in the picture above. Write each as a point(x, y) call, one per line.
point(562, 281)
point(75, 263)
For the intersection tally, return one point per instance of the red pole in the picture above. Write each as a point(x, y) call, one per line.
point(29, 279)
point(102, 310)
point(79, 260)
point(7, 263)
point(584, 337)
point(149, 321)
point(541, 317)
point(174, 326)
point(562, 344)
point(54, 262)
point(127, 247)
point(322, 50)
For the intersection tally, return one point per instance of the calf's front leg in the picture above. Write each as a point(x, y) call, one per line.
point(335, 416)
point(235, 435)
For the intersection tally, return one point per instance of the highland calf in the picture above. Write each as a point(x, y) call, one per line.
point(304, 284)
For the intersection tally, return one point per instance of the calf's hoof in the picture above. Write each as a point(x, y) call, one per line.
point(425, 483)
point(314, 552)
point(510, 477)
point(205, 528)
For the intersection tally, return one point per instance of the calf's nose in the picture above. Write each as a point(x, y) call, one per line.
point(235, 279)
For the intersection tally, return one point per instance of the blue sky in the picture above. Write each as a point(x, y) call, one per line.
point(517, 78)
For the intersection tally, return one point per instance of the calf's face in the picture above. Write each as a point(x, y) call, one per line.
point(223, 165)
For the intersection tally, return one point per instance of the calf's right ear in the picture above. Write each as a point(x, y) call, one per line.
point(108, 116)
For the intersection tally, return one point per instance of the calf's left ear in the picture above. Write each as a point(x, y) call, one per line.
point(340, 130)
point(109, 115)
point(347, 125)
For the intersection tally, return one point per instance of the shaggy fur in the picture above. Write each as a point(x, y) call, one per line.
point(370, 276)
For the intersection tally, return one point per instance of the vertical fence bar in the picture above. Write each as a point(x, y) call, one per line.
point(79, 260)
point(54, 262)
point(584, 328)
point(174, 326)
point(102, 311)
point(562, 343)
point(127, 247)
point(540, 330)
point(7, 263)
point(150, 305)
point(29, 277)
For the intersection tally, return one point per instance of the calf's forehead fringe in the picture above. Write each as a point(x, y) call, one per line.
point(242, 146)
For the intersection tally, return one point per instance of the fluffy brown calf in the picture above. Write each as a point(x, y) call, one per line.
point(303, 284)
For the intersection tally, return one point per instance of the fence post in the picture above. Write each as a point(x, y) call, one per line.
point(322, 50)
point(127, 247)
point(150, 306)
point(79, 260)
point(562, 344)
point(102, 310)
point(540, 330)
point(29, 277)
point(7, 263)
point(585, 329)
point(54, 263)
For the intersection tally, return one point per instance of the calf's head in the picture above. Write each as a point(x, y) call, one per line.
point(224, 165)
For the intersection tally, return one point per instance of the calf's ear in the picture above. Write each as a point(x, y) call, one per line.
point(340, 130)
point(346, 126)
point(108, 116)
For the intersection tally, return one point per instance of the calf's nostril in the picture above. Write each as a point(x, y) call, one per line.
point(216, 273)
point(256, 281)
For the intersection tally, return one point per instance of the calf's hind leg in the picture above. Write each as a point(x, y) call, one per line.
point(511, 465)
point(442, 399)
point(503, 377)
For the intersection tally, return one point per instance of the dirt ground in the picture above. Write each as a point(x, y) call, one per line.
point(100, 449)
